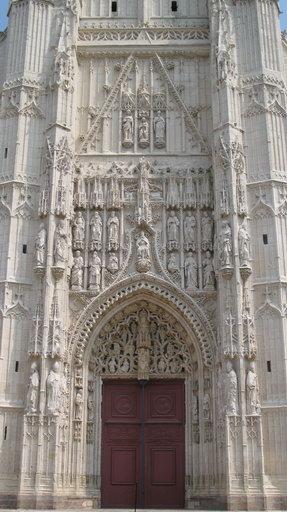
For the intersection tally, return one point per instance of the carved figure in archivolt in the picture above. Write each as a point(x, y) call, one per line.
point(244, 245)
point(252, 391)
point(225, 245)
point(40, 246)
point(60, 244)
point(190, 271)
point(143, 345)
point(55, 388)
point(159, 127)
point(96, 230)
point(77, 272)
point(206, 232)
point(95, 272)
point(208, 271)
point(189, 228)
point(113, 232)
point(33, 390)
point(78, 231)
point(172, 231)
point(231, 386)
point(143, 253)
point(128, 130)
point(113, 263)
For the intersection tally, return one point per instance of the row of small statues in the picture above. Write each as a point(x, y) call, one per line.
point(191, 269)
point(144, 130)
point(56, 387)
point(189, 231)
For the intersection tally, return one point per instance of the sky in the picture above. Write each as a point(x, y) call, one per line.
point(4, 4)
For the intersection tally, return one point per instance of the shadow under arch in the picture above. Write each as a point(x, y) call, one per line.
point(147, 287)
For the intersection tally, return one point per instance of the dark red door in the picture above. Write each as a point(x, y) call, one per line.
point(143, 444)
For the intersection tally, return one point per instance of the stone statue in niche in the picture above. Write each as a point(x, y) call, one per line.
point(113, 232)
point(143, 132)
point(60, 244)
point(189, 228)
point(190, 271)
point(224, 198)
point(206, 406)
point(144, 213)
point(194, 409)
point(97, 196)
point(206, 232)
point(205, 192)
point(96, 230)
point(172, 231)
point(225, 245)
point(189, 193)
point(33, 390)
point(231, 386)
point(40, 246)
point(208, 271)
point(78, 230)
point(113, 263)
point(95, 272)
point(252, 391)
point(244, 245)
point(172, 196)
point(90, 407)
point(143, 345)
point(172, 265)
point(113, 193)
point(54, 389)
point(128, 130)
point(79, 405)
point(80, 194)
point(77, 272)
point(143, 262)
point(159, 128)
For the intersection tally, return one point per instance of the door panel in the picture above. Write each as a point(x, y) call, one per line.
point(143, 444)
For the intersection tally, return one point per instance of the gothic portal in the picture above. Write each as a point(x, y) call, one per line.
point(143, 239)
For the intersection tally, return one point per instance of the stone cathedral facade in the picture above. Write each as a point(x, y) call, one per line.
point(143, 221)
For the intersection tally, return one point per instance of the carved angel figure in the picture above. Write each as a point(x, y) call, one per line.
point(60, 244)
point(252, 391)
point(54, 389)
point(225, 245)
point(113, 232)
point(33, 390)
point(231, 386)
point(77, 271)
point(40, 246)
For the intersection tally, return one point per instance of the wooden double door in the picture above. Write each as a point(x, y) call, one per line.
point(143, 448)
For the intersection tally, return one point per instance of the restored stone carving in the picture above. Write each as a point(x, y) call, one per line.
point(231, 386)
point(252, 391)
point(40, 246)
point(33, 390)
